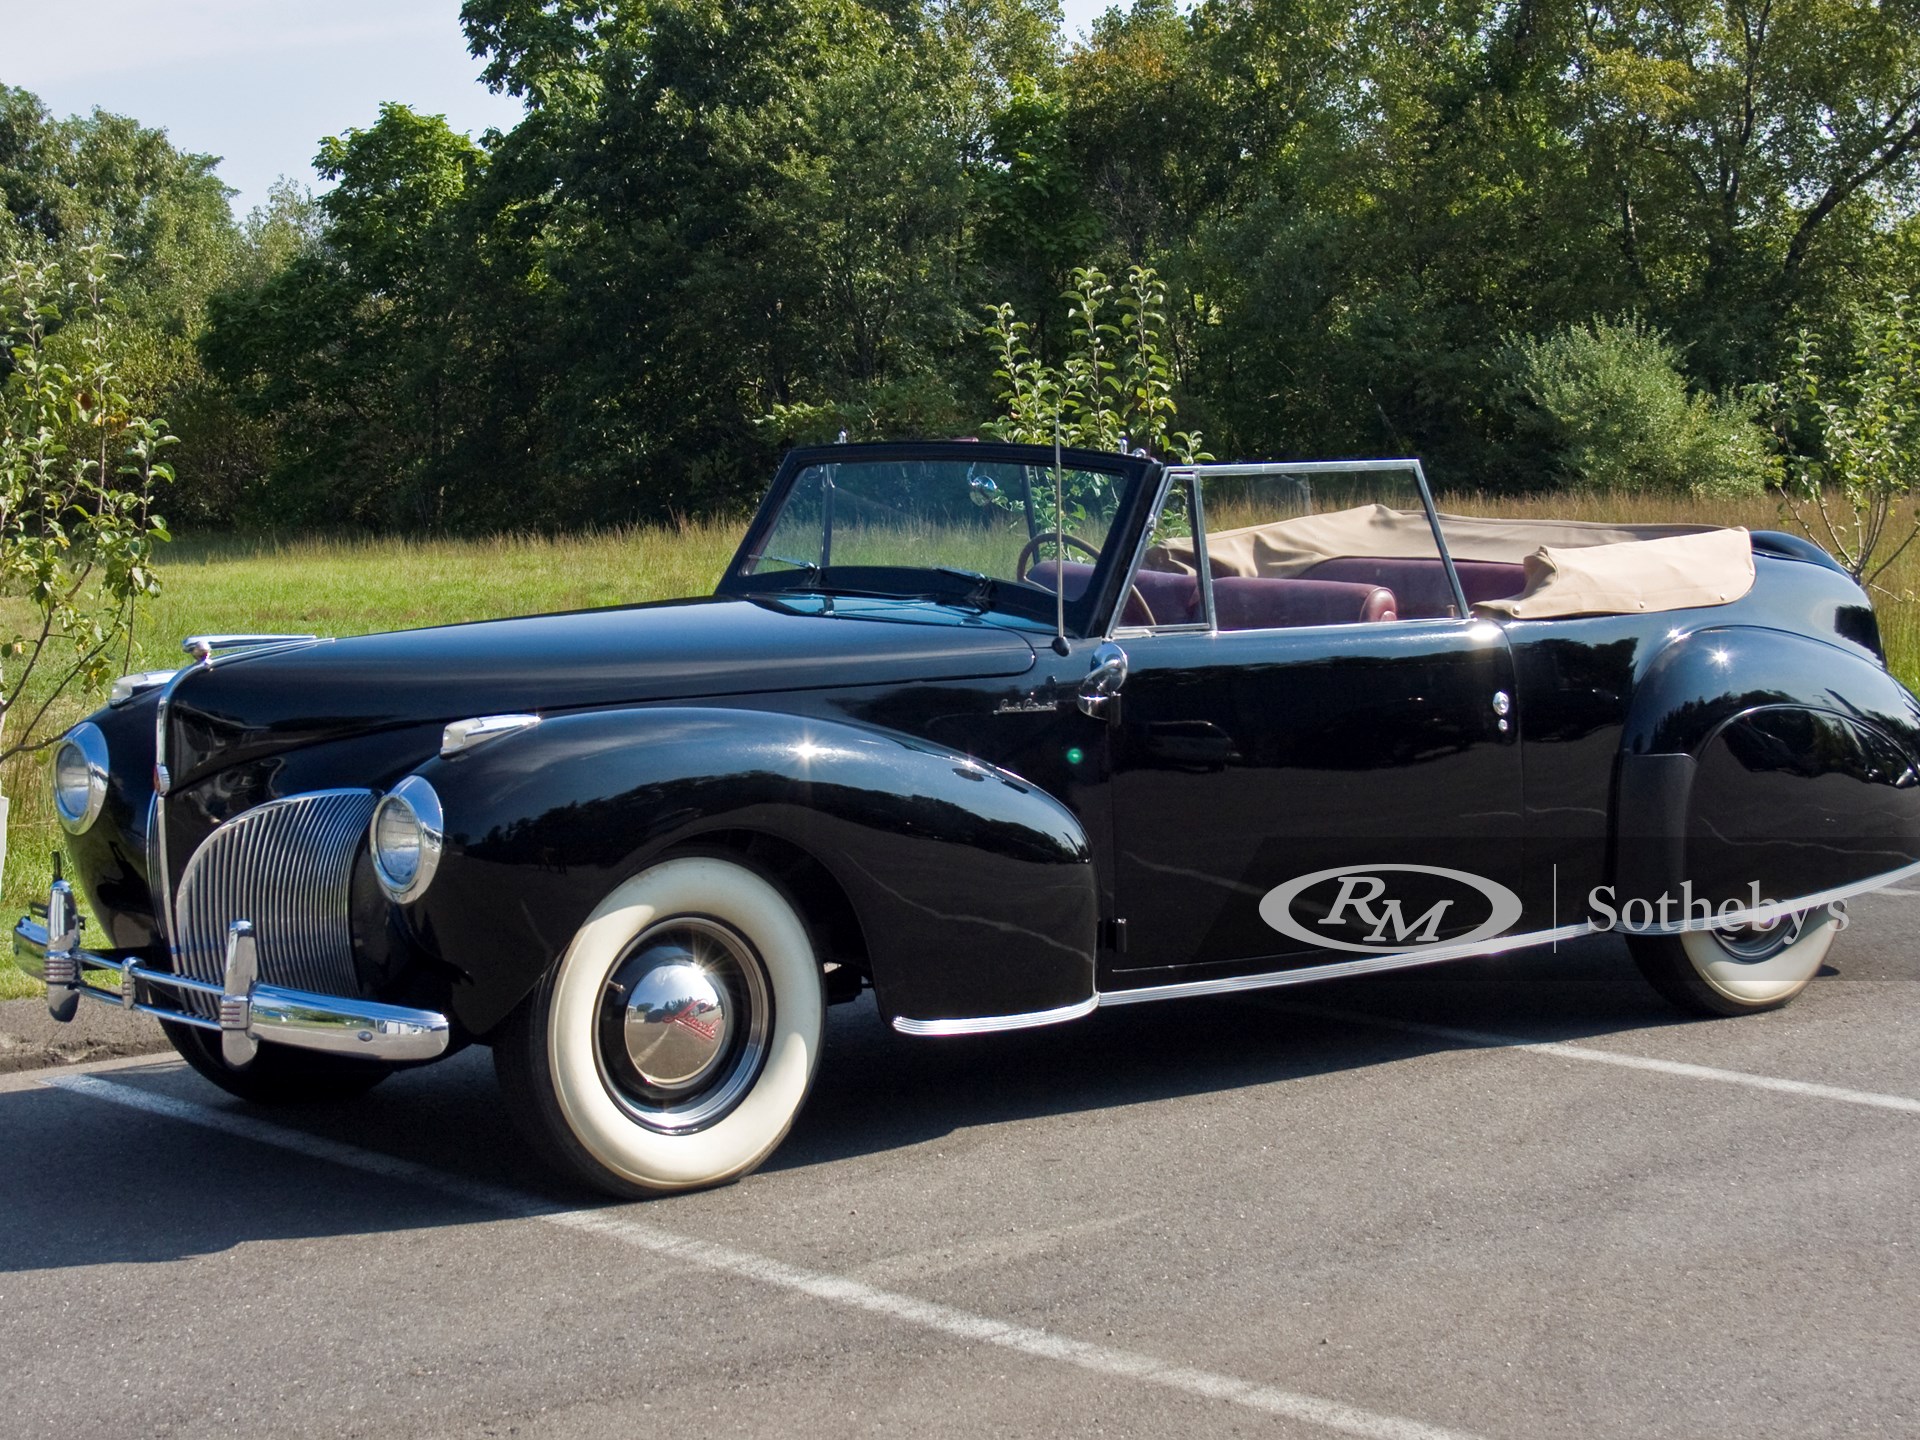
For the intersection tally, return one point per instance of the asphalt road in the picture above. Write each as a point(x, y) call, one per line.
point(1361, 1209)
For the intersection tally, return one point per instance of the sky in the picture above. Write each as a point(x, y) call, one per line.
point(261, 82)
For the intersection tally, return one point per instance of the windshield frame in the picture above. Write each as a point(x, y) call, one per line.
point(1137, 477)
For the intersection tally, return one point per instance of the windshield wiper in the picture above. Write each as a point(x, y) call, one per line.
point(811, 570)
point(980, 587)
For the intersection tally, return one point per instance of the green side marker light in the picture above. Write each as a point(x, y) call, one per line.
point(1076, 755)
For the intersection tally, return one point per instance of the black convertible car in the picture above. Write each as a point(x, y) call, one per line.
point(1001, 734)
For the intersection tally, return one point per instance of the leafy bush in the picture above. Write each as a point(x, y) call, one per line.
point(1860, 490)
point(1114, 388)
point(78, 471)
point(1604, 406)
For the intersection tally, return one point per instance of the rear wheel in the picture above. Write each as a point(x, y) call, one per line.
point(675, 1041)
point(1736, 970)
point(279, 1074)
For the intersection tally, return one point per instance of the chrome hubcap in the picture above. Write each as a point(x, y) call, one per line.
point(1750, 944)
point(683, 1024)
point(676, 1025)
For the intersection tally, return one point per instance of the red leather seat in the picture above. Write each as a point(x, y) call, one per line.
point(1174, 599)
point(1243, 603)
point(1421, 585)
point(1075, 574)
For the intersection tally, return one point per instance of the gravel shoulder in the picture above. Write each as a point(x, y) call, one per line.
point(30, 1039)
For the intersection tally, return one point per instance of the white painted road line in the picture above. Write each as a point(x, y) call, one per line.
point(835, 1289)
point(1488, 1040)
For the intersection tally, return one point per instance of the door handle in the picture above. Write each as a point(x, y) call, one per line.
point(1103, 682)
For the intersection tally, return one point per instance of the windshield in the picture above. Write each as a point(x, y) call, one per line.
point(980, 531)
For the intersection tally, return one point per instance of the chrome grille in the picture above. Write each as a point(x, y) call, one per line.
point(287, 866)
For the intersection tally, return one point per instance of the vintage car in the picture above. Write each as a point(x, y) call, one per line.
point(1001, 734)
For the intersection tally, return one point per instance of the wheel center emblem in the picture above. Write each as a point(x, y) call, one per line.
point(676, 1022)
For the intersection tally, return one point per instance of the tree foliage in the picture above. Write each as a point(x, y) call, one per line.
point(79, 467)
point(1857, 493)
point(727, 225)
point(1604, 406)
point(1113, 390)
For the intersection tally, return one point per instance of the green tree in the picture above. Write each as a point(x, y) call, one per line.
point(1743, 142)
point(362, 346)
point(739, 211)
point(79, 468)
point(1114, 387)
point(1856, 495)
point(106, 179)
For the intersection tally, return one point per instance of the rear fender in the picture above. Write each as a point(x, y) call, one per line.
point(1758, 764)
point(975, 890)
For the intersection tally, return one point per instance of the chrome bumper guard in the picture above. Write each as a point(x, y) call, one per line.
point(249, 1012)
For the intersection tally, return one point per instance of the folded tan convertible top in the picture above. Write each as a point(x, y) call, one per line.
point(1574, 567)
point(1675, 573)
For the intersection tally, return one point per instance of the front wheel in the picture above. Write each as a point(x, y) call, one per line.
point(673, 1044)
point(1736, 970)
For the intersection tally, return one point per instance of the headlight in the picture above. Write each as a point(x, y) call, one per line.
point(80, 777)
point(406, 837)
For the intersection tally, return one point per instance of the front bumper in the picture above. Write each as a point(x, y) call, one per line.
point(249, 1012)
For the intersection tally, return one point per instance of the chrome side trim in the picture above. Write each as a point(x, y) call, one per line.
point(1769, 910)
point(994, 1024)
point(1368, 965)
point(271, 1014)
point(1499, 945)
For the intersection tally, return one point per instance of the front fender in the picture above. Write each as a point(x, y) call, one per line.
point(1759, 758)
point(975, 890)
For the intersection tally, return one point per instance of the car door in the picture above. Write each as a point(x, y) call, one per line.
point(1301, 775)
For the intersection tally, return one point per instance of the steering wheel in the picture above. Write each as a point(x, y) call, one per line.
point(1031, 550)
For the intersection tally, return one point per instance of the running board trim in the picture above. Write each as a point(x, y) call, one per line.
point(1369, 965)
point(993, 1024)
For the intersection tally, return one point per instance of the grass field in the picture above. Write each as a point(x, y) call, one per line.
point(346, 587)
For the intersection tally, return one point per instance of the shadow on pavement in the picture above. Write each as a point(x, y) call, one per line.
point(87, 1182)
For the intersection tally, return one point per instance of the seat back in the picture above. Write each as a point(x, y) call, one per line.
point(1421, 585)
point(1158, 597)
point(1245, 603)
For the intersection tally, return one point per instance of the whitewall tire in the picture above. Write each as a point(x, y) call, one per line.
point(675, 1041)
point(1737, 971)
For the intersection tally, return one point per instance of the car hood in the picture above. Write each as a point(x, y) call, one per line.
point(252, 706)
